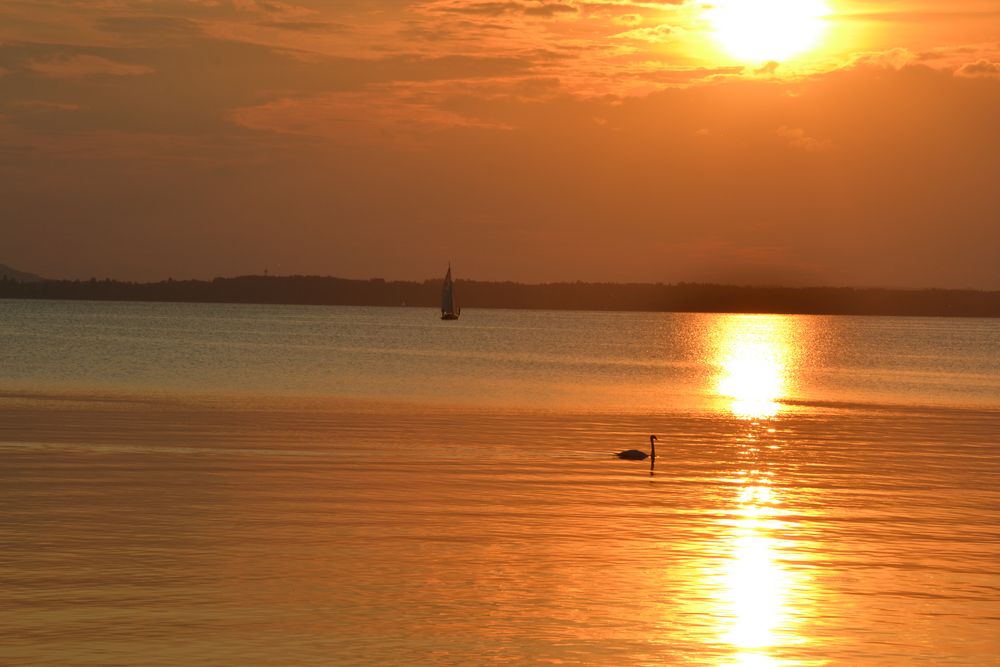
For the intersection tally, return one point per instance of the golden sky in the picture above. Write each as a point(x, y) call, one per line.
point(842, 142)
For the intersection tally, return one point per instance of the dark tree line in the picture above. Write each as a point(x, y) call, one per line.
point(682, 297)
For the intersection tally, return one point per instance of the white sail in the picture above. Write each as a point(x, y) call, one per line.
point(448, 310)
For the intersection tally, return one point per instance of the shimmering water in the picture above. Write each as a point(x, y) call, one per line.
point(220, 485)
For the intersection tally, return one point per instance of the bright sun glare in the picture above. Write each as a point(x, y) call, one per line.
point(754, 357)
point(762, 30)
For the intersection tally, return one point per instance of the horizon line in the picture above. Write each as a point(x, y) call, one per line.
point(681, 283)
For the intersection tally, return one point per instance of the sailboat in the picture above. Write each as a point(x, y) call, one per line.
point(448, 309)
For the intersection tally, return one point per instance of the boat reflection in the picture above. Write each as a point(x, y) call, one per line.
point(754, 354)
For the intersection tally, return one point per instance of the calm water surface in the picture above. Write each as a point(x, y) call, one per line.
point(260, 485)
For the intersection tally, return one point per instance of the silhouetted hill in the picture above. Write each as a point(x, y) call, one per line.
point(14, 274)
point(682, 297)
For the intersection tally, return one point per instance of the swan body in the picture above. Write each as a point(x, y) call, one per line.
point(632, 455)
point(637, 455)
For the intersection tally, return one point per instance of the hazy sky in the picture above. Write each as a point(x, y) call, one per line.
point(534, 141)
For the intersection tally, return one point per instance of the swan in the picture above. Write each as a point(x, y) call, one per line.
point(636, 455)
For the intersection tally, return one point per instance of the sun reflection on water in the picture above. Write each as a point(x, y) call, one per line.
point(759, 592)
point(754, 356)
point(755, 586)
point(760, 596)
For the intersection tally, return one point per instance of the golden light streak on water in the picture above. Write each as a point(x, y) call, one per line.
point(755, 583)
point(754, 357)
point(756, 596)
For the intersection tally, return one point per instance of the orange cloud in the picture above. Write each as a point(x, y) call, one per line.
point(627, 19)
point(980, 68)
point(82, 65)
point(396, 115)
point(539, 9)
point(660, 33)
point(897, 58)
point(797, 138)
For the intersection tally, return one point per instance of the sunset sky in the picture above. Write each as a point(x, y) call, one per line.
point(798, 142)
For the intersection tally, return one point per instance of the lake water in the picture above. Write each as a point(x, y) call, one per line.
point(276, 485)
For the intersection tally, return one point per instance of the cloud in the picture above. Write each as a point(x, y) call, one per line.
point(768, 69)
point(397, 115)
point(144, 26)
point(910, 16)
point(305, 26)
point(271, 7)
point(629, 4)
point(656, 34)
point(980, 68)
point(82, 65)
point(797, 138)
point(659, 73)
point(970, 61)
point(627, 19)
point(484, 8)
point(191, 89)
point(46, 105)
point(543, 9)
point(404, 114)
point(549, 10)
point(454, 30)
point(897, 58)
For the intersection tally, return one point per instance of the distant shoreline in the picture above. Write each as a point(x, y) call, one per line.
point(627, 297)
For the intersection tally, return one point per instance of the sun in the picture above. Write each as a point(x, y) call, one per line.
point(762, 30)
